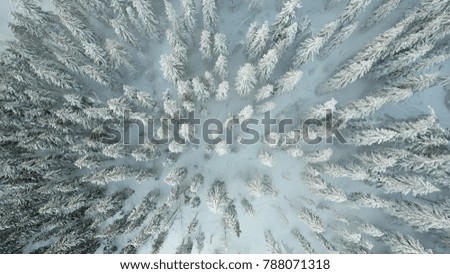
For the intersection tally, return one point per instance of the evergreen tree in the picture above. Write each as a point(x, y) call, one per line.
point(264, 92)
point(256, 39)
point(262, 186)
point(222, 148)
point(209, 14)
point(267, 63)
point(288, 81)
point(245, 80)
point(118, 55)
point(272, 245)
point(284, 18)
point(311, 220)
point(397, 62)
point(363, 61)
point(172, 68)
point(266, 159)
point(189, 14)
point(221, 67)
point(381, 12)
point(248, 207)
point(217, 199)
point(196, 183)
point(395, 131)
point(401, 244)
point(206, 45)
point(145, 14)
point(220, 44)
point(312, 45)
point(303, 241)
point(200, 89)
point(118, 25)
point(175, 176)
point(422, 217)
point(337, 40)
point(231, 219)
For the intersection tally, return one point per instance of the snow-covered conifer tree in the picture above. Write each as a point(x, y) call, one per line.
point(114, 151)
point(172, 16)
point(324, 190)
point(406, 184)
point(397, 62)
point(222, 148)
point(139, 97)
point(248, 207)
point(287, 37)
point(145, 13)
point(222, 91)
point(206, 44)
point(217, 199)
point(170, 106)
point(172, 68)
point(264, 92)
point(118, 55)
point(271, 243)
point(231, 219)
point(196, 183)
point(176, 147)
point(177, 44)
point(284, 18)
point(262, 186)
point(312, 45)
point(337, 39)
point(176, 176)
point(352, 10)
point(267, 63)
point(422, 217)
point(145, 152)
point(265, 107)
point(257, 39)
point(368, 200)
point(189, 14)
point(221, 67)
point(210, 81)
point(311, 220)
point(220, 44)
point(108, 175)
point(118, 25)
point(395, 131)
point(366, 106)
point(303, 241)
point(209, 14)
point(245, 80)
point(381, 12)
point(200, 89)
point(288, 81)
point(266, 159)
point(245, 113)
point(401, 244)
point(362, 62)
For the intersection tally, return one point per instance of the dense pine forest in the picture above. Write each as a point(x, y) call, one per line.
point(375, 73)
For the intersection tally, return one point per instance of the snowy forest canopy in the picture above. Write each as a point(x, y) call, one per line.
point(381, 67)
